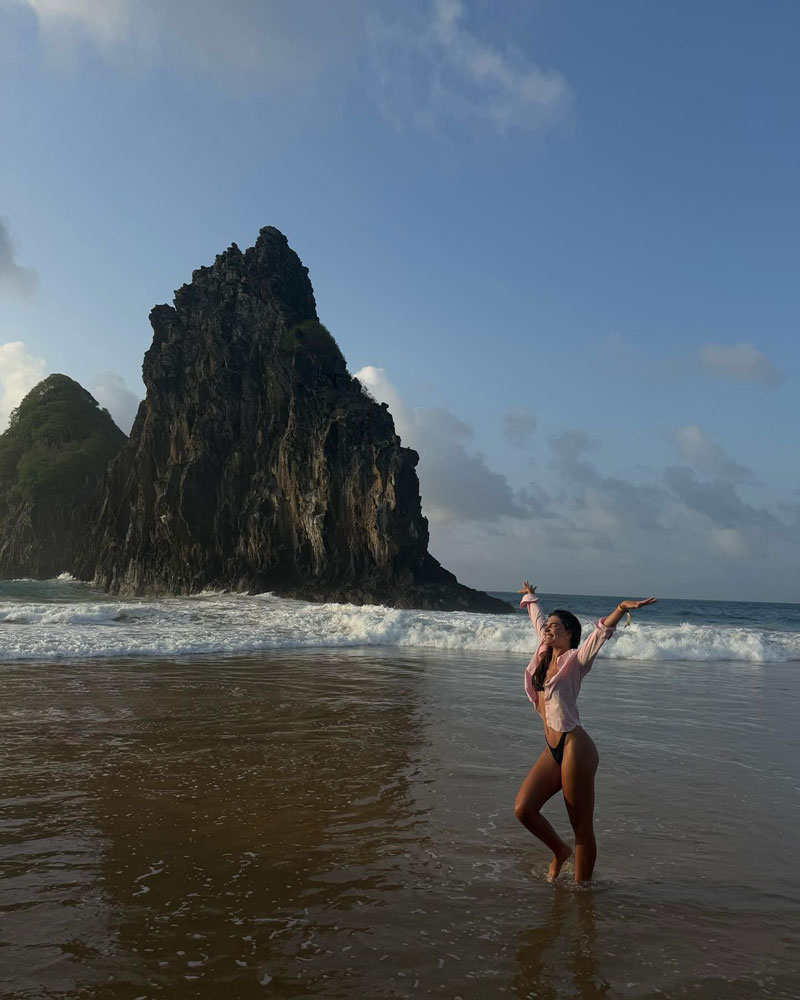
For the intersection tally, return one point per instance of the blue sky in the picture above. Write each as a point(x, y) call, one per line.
point(560, 239)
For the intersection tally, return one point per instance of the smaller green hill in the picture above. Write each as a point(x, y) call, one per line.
point(57, 446)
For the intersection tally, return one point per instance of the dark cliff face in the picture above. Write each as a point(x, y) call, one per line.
point(52, 457)
point(256, 462)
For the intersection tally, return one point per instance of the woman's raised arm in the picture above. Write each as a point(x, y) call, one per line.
point(532, 606)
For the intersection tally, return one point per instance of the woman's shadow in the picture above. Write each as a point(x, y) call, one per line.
point(558, 957)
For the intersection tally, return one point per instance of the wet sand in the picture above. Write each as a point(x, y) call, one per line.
point(339, 824)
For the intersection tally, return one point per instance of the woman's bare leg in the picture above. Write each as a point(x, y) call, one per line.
point(578, 769)
point(542, 782)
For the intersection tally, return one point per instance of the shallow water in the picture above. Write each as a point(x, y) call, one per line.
point(338, 824)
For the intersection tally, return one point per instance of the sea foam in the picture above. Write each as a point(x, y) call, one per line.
point(236, 623)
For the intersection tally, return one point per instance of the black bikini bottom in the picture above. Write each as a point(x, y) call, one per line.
point(558, 751)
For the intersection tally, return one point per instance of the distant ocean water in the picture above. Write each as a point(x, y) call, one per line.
point(67, 619)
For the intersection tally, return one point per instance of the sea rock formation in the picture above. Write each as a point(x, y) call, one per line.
point(257, 462)
point(52, 456)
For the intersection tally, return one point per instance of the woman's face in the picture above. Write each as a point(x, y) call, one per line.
point(554, 632)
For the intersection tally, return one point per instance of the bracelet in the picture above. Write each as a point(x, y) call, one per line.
point(622, 608)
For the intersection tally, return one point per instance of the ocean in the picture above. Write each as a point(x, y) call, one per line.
point(255, 797)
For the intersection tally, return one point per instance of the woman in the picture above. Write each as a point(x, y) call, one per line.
point(569, 761)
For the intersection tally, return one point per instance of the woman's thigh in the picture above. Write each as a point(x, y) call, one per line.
point(541, 783)
point(578, 769)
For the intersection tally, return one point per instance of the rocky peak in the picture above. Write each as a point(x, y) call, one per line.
point(257, 462)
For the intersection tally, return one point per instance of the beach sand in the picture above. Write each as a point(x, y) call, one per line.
point(339, 824)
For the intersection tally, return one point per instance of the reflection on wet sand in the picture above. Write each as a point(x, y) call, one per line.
point(248, 821)
point(236, 821)
point(57, 922)
point(558, 956)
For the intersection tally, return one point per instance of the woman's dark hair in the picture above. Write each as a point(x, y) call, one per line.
point(573, 626)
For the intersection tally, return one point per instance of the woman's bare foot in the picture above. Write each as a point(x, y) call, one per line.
point(559, 858)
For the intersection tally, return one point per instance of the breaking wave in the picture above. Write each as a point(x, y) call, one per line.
point(236, 623)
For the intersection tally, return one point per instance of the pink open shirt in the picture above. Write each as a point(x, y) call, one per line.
point(561, 691)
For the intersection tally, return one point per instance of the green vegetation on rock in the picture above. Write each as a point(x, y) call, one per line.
point(58, 442)
point(314, 340)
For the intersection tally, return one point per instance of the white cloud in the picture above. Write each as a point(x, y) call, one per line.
point(708, 458)
point(717, 500)
point(379, 386)
point(518, 425)
point(729, 542)
point(14, 278)
point(456, 484)
point(437, 70)
point(105, 23)
point(19, 373)
point(424, 65)
point(681, 533)
point(607, 507)
point(585, 530)
point(741, 362)
point(111, 392)
point(286, 41)
point(568, 448)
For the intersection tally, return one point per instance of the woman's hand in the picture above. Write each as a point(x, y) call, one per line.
point(633, 605)
point(623, 608)
point(526, 588)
